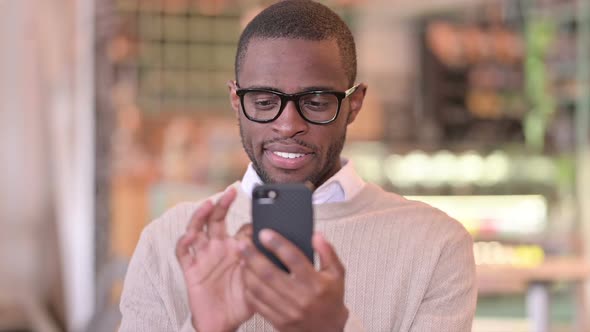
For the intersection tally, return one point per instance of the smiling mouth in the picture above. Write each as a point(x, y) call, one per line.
point(288, 160)
point(289, 155)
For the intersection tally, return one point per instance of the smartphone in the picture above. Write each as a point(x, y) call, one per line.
point(287, 209)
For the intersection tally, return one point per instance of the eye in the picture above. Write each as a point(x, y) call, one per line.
point(315, 106)
point(264, 105)
point(318, 102)
point(262, 101)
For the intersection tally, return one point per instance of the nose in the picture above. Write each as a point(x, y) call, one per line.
point(290, 123)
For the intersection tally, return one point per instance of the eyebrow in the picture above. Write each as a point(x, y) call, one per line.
point(306, 89)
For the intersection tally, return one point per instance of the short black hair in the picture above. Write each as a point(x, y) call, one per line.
point(300, 19)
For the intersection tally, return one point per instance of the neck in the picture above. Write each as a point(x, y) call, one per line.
point(330, 173)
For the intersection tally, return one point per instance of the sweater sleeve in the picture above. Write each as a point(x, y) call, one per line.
point(450, 300)
point(142, 306)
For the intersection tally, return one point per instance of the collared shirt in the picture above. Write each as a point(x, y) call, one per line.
point(342, 186)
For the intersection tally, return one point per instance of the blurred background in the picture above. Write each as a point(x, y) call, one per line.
point(112, 111)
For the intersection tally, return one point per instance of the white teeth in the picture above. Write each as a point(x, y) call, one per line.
point(288, 155)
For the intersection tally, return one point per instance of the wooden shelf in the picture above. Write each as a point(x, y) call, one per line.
point(505, 279)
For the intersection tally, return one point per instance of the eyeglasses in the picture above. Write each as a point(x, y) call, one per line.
point(317, 107)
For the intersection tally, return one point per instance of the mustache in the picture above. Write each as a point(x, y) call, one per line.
point(290, 141)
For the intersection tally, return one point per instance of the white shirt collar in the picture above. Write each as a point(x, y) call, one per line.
point(342, 186)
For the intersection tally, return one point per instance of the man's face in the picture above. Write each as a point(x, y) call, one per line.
point(290, 149)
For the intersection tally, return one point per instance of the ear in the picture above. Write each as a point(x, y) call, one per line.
point(234, 99)
point(356, 102)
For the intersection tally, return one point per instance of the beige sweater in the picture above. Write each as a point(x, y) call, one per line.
point(409, 267)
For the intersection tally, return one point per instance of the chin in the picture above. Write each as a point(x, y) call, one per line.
point(288, 179)
point(277, 175)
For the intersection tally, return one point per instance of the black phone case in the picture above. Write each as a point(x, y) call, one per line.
point(290, 214)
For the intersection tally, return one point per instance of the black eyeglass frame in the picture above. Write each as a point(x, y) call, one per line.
point(285, 98)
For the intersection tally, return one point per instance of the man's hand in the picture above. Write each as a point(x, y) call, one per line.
point(209, 259)
point(305, 299)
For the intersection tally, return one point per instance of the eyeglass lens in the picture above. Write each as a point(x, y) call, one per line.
point(317, 107)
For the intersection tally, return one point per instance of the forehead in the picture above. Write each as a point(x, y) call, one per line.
point(293, 64)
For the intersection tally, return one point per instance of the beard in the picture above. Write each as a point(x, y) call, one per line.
point(316, 178)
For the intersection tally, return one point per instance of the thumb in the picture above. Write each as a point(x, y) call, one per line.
point(329, 260)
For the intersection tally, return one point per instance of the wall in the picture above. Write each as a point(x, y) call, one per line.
point(46, 153)
point(28, 253)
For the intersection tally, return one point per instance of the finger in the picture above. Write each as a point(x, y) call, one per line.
point(291, 256)
point(200, 242)
point(272, 305)
point(269, 278)
point(183, 248)
point(271, 313)
point(329, 260)
point(188, 247)
point(200, 217)
point(256, 261)
point(245, 232)
point(216, 223)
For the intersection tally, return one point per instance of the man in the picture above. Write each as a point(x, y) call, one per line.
point(385, 263)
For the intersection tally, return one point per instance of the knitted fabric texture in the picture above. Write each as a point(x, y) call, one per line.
point(409, 267)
